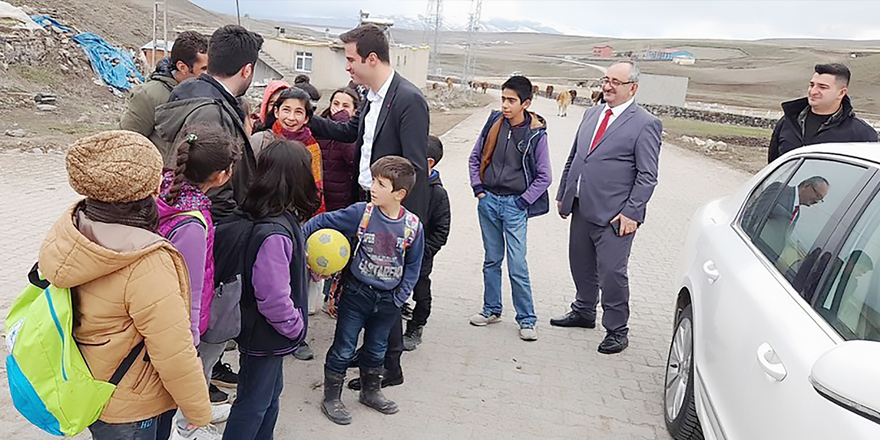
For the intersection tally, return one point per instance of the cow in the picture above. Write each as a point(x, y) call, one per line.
point(563, 100)
point(484, 86)
point(549, 92)
point(449, 84)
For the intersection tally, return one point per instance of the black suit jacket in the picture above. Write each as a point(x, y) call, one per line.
point(401, 130)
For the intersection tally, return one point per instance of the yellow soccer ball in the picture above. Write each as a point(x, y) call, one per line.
point(328, 251)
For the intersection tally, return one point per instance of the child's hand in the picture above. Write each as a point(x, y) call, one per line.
point(316, 277)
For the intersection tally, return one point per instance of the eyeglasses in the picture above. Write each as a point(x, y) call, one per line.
point(614, 82)
point(819, 197)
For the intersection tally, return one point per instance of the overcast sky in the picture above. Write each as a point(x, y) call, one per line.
point(623, 19)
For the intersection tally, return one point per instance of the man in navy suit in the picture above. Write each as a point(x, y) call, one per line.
point(608, 179)
point(392, 119)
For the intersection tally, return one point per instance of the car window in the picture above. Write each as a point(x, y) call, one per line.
point(850, 300)
point(763, 196)
point(788, 216)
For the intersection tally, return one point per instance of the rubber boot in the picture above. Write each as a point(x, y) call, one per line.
point(332, 406)
point(371, 394)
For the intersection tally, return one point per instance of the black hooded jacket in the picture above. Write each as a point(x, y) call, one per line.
point(842, 126)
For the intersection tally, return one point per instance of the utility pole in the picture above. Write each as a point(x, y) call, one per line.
point(238, 12)
point(470, 59)
point(433, 27)
point(156, 5)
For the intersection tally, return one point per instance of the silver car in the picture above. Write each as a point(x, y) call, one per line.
point(777, 315)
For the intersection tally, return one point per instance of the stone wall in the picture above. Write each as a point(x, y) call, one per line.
point(669, 111)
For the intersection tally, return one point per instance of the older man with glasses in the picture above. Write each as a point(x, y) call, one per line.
point(608, 179)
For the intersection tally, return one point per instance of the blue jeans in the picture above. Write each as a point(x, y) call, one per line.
point(362, 307)
point(504, 225)
point(255, 411)
point(155, 428)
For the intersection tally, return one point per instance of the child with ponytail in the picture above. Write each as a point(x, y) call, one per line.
point(205, 155)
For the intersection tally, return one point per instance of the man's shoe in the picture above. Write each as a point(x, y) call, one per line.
point(528, 334)
point(332, 406)
point(572, 319)
point(220, 413)
point(388, 380)
point(614, 342)
point(371, 395)
point(303, 352)
point(223, 376)
point(480, 319)
point(216, 395)
point(412, 339)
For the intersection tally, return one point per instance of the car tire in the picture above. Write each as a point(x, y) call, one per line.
point(679, 407)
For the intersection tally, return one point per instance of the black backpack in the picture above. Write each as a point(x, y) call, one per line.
point(231, 237)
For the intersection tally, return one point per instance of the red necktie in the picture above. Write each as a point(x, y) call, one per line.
point(601, 130)
point(794, 215)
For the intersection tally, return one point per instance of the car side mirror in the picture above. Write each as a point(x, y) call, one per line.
point(848, 376)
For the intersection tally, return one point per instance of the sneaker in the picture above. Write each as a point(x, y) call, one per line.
point(528, 334)
point(223, 376)
point(303, 352)
point(480, 319)
point(217, 396)
point(220, 413)
point(209, 432)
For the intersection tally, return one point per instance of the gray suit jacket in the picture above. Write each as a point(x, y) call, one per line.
point(620, 174)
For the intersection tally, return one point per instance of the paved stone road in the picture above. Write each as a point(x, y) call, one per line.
point(463, 382)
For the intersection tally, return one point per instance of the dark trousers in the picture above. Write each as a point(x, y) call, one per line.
point(154, 428)
point(422, 297)
point(255, 411)
point(598, 259)
point(370, 310)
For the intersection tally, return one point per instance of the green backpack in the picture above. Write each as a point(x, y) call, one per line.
point(50, 383)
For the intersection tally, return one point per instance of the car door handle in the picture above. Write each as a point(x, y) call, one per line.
point(770, 362)
point(711, 271)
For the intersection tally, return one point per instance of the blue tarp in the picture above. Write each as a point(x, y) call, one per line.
point(47, 22)
point(113, 64)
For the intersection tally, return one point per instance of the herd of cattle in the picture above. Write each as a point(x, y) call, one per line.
point(563, 99)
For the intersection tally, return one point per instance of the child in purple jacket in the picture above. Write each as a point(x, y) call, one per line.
point(274, 292)
point(510, 173)
point(205, 154)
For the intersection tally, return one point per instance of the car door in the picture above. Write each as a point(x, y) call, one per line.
point(757, 338)
point(847, 298)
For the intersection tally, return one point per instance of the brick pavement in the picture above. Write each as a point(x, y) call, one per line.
point(464, 382)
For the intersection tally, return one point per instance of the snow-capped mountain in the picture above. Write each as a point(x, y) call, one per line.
point(417, 22)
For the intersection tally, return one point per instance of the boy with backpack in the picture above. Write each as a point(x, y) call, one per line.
point(510, 172)
point(384, 269)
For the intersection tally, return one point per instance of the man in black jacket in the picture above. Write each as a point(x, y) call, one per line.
point(211, 98)
point(825, 115)
point(232, 54)
point(392, 120)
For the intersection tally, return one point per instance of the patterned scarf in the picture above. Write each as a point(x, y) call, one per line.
point(190, 197)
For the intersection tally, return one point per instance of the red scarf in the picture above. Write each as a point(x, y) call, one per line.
point(303, 135)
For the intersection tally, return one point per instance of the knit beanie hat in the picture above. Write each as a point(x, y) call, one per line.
point(114, 167)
